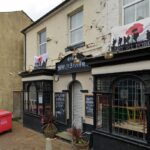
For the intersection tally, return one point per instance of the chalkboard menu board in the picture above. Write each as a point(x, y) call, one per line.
point(89, 105)
point(60, 107)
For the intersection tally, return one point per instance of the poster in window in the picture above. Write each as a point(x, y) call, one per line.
point(60, 107)
point(89, 105)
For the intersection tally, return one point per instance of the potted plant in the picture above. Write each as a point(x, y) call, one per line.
point(80, 142)
point(48, 125)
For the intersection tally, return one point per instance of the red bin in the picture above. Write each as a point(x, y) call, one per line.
point(5, 121)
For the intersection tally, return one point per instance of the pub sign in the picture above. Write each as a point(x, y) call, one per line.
point(67, 65)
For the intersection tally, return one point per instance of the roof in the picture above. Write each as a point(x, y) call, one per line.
point(47, 14)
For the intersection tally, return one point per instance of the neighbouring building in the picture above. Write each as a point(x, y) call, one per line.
point(11, 59)
point(88, 62)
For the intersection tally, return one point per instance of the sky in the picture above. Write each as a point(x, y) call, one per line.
point(33, 8)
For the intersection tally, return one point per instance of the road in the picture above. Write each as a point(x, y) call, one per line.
point(22, 138)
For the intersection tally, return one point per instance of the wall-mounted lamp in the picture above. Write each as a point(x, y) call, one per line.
point(108, 55)
point(76, 60)
point(56, 77)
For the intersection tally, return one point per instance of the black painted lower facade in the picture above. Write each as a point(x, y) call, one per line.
point(103, 141)
point(33, 122)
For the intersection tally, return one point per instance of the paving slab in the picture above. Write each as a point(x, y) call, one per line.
point(21, 138)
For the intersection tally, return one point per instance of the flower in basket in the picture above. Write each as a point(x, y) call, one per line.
point(48, 125)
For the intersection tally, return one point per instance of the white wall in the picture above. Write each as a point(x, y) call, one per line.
point(99, 18)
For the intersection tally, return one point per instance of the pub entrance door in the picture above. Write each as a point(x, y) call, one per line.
point(76, 97)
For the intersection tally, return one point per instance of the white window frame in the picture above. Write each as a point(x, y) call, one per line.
point(40, 44)
point(128, 5)
point(74, 29)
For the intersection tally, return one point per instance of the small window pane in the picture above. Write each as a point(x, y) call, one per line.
point(47, 102)
point(77, 36)
point(42, 48)
point(40, 103)
point(142, 10)
point(25, 101)
point(76, 20)
point(42, 37)
point(42, 42)
point(102, 112)
point(129, 14)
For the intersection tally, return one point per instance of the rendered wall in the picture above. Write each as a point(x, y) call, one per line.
point(11, 58)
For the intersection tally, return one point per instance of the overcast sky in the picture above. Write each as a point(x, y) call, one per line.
point(34, 8)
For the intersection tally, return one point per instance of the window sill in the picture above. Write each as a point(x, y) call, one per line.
point(72, 47)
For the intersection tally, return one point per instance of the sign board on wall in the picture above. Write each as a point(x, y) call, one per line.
point(131, 36)
point(60, 107)
point(66, 65)
point(89, 105)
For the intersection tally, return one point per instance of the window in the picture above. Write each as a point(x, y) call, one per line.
point(129, 108)
point(76, 28)
point(135, 10)
point(42, 42)
point(122, 111)
point(38, 97)
point(32, 99)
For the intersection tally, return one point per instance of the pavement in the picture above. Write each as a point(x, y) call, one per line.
point(21, 138)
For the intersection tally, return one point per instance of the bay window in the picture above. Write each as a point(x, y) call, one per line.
point(135, 10)
point(38, 97)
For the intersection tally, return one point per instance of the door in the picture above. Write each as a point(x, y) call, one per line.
point(18, 104)
point(77, 104)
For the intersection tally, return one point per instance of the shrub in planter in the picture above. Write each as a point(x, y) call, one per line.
point(79, 141)
point(48, 125)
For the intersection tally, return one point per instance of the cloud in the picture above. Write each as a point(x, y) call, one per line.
point(34, 8)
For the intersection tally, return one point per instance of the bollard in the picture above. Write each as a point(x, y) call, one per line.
point(48, 144)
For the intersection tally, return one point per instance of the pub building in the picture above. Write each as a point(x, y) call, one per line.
point(122, 94)
point(55, 77)
point(66, 91)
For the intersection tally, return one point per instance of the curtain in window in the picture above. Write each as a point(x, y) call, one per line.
point(32, 99)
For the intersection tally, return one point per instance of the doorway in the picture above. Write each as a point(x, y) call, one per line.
point(76, 97)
